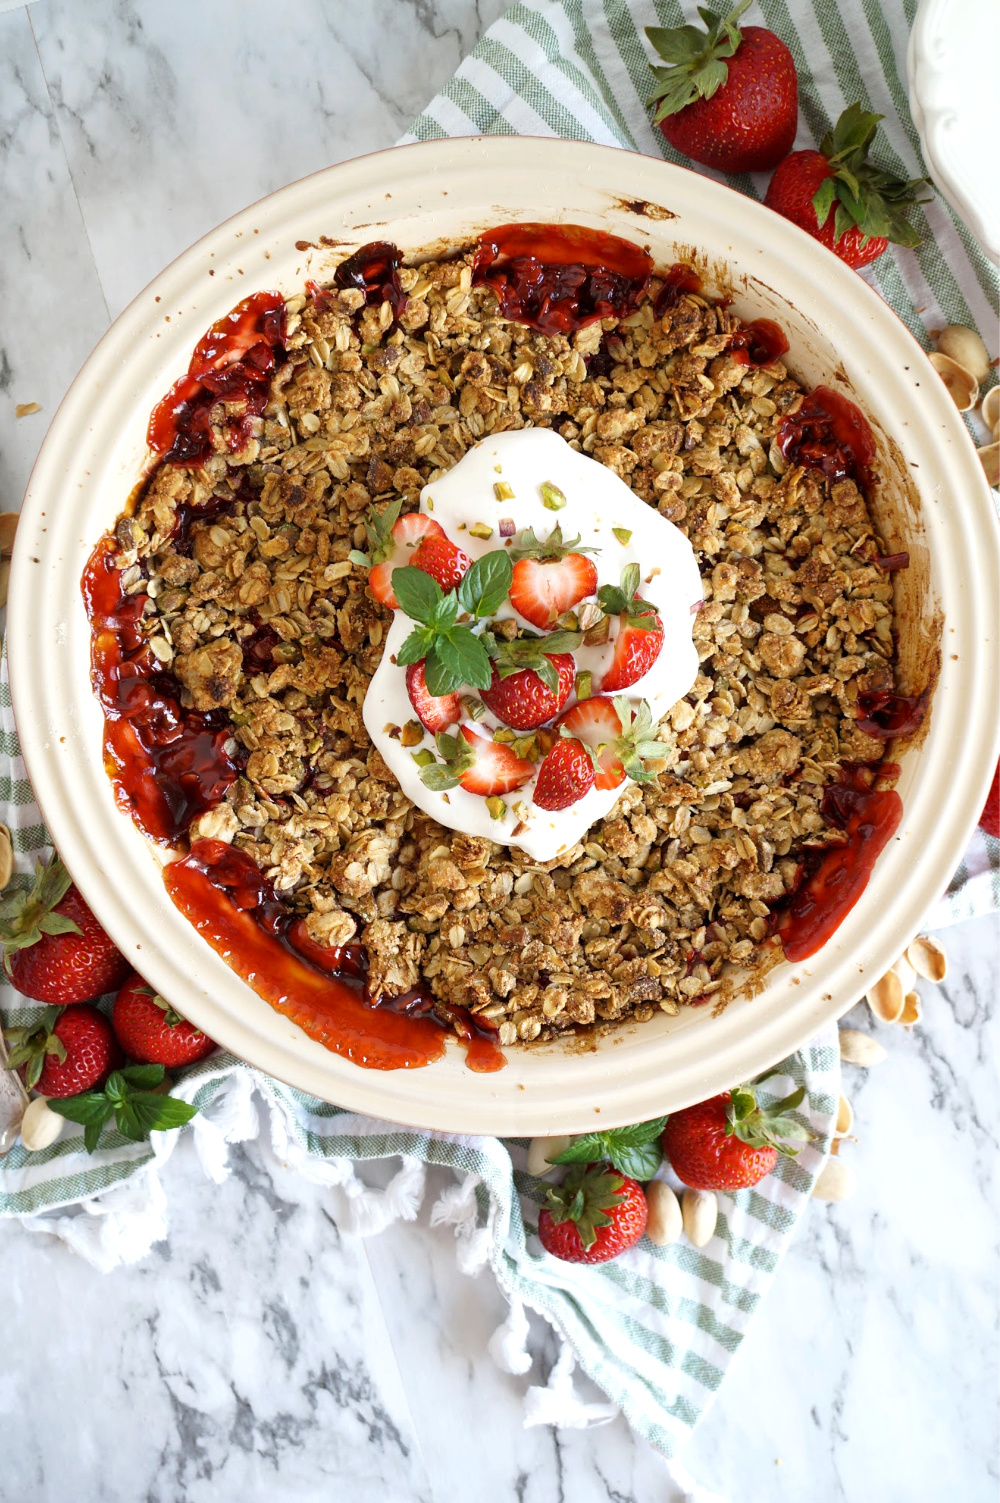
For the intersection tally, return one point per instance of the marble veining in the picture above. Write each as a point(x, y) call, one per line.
point(262, 1352)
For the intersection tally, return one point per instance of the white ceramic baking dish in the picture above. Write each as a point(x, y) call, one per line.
point(934, 503)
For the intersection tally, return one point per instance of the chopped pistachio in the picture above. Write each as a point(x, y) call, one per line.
point(597, 635)
point(473, 707)
point(526, 746)
point(503, 491)
point(502, 733)
point(584, 684)
point(623, 534)
point(430, 503)
point(496, 807)
point(423, 758)
point(413, 733)
point(480, 530)
point(553, 499)
point(568, 621)
point(521, 809)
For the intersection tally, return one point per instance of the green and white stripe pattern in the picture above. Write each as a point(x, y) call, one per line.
point(657, 1328)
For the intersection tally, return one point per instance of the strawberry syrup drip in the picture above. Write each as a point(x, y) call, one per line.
point(832, 880)
point(759, 343)
point(886, 715)
point(830, 434)
point(324, 989)
point(166, 763)
point(374, 270)
point(558, 278)
point(233, 362)
point(679, 279)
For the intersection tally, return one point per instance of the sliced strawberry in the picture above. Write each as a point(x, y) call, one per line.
point(407, 531)
point(620, 737)
point(523, 701)
point(441, 559)
point(391, 540)
point(636, 650)
point(495, 769)
point(436, 712)
point(550, 577)
point(595, 722)
point(566, 774)
point(380, 584)
point(640, 631)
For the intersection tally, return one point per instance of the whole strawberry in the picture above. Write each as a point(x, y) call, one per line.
point(729, 1142)
point(71, 1050)
point(595, 1214)
point(841, 198)
point(150, 1031)
point(54, 948)
point(729, 97)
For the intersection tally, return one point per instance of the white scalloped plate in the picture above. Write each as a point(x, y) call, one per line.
point(953, 64)
point(443, 192)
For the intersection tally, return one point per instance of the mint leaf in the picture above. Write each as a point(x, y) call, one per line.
point(418, 593)
point(445, 613)
point(91, 1106)
point(143, 1112)
point(457, 657)
point(635, 1150)
point(143, 1077)
point(417, 646)
point(486, 585)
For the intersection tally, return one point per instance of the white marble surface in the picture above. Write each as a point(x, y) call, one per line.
point(262, 1352)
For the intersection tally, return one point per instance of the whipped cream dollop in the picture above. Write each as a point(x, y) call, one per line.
point(596, 502)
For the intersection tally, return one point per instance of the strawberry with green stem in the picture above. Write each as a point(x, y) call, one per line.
point(640, 631)
point(730, 1141)
point(842, 198)
point(488, 768)
point(532, 678)
point(594, 1215)
point(154, 1033)
point(54, 948)
point(729, 96)
point(549, 577)
point(130, 1096)
point(70, 1049)
point(620, 738)
point(392, 539)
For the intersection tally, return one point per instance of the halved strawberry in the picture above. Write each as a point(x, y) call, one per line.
point(524, 699)
point(595, 722)
point(619, 739)
point(566, 774)
point(441, 559)
point(436, 712)
point(640, 631)
point(477, 765)
point(550, 577)
point(391, 539)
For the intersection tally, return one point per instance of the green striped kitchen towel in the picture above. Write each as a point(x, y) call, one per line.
point(657, 1328)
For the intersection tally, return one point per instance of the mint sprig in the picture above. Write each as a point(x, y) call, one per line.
point(635, 1151)
point(128, 1097)
point(452, 653)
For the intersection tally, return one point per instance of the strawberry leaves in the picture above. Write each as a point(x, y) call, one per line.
point(29, 1046)
point(129, 1096)
point(378, 526)
point(696, 59)
point(586, 1196)
point(622, 600)
point(26, 916)
point(866, 197)
point(457, 758)
point(527, 545)
point(529, 651)
point(765, 1126)
point(637, 742)
point(635, 1151)
point(452, 653)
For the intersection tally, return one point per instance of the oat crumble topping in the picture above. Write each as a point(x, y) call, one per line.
point(666, 902)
